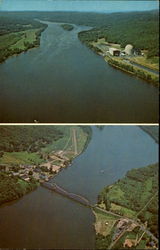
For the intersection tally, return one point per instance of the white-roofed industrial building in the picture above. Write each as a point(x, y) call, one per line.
point(114, 51)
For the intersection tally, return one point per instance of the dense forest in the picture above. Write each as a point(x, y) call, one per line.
point(27, 138)
point(12, 188)
point(32, 138)
point(139, 29)
point(132, 193)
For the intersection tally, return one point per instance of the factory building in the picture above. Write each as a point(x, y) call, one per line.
point(114, 51)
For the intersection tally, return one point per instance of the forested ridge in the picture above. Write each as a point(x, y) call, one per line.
point(12, 188)
point(33, 138)
point(15, 23)
point(23, 138)
point(141, 29)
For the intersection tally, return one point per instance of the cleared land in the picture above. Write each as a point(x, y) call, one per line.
point(134, 199)
point(18, 35)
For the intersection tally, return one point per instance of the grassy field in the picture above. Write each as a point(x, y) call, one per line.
point(123, 210)
point(104, 222)
point(28, 36)
point(152, 63)
point(65, 143)
point(20, 158)
point(6, 41)
point(17, 42)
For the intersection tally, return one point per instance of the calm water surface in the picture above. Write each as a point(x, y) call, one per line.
point(64, 81)
point(44, 219)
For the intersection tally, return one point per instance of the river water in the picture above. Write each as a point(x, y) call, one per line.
point(64, 81)
point(44, 219)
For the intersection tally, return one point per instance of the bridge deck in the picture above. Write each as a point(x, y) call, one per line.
point(78, 198)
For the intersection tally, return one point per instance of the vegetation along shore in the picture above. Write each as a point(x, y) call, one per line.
point(124, 46)
point(110, 32)
point(18, 35)
point(127, 211)
point(35, 154)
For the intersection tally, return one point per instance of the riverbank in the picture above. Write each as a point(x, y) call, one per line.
point(14, 42)
point(138, 211)
point(27, 170)
point(139, 66)
point(134, 70)
point(13, 188)
point(153, 131)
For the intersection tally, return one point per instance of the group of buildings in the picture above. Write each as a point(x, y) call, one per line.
point(129, 51)
point(42, 172)
point(126, 225)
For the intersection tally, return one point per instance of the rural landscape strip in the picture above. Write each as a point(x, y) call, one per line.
point(51, 152)
point(107, 34)
point(127, 211)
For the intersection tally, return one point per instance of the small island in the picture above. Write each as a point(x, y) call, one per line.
point(68, 27)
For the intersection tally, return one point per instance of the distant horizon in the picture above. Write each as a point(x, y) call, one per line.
point(92, 6)
point(60, 11)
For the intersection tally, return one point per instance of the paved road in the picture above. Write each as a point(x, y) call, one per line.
point(132, 220)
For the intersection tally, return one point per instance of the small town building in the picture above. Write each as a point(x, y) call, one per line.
point(55, 168)
point(114, 51)
point(128, 243)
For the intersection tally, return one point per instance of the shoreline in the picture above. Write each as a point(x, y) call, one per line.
point(33, 45)
point(148, 131)
point(135, 71)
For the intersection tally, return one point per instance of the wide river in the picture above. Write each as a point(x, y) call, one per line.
point(64, 81)
point(44, 219)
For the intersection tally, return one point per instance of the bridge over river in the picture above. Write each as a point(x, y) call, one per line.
point(78, 198)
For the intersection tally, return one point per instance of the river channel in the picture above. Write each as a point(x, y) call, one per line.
point(45, 219)
point(64, 81)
